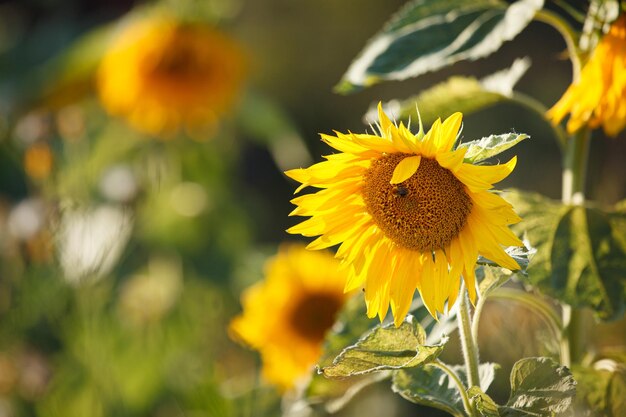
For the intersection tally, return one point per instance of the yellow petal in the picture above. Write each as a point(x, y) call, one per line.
point(385, 123)
point(405, 169)
point(452, 161)
point(432, 137)
point(449, 131)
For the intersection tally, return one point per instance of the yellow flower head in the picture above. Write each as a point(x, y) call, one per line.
point(409, 213)
point(599, 97)
point(286, 316)
point(162, 74)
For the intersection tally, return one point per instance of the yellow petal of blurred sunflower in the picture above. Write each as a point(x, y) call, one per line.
point(286, 316)
point(409, 214)
point(163, 75)
point(599, 97)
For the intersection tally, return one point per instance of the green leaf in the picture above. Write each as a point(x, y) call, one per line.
point(331, 395)
point(581, 252)
point(428, 35)
point(483, 403)
point(385, 348)
point(539, 387)
point(458, 93)
point(429, 386)
point(487, 147)
point(601, 390)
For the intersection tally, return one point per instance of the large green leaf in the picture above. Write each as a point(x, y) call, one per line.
point(601, 390)
point(428, 35)
point(581, 252)
point(539, 387)
point(457, 94)
point(385, 348)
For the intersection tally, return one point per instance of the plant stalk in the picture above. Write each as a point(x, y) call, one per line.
point(468, 342)
point(574, 175)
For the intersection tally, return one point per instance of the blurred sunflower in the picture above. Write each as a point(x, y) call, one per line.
point(409, 213)
point(162, 74)
point(286, 316)
point(599, 97)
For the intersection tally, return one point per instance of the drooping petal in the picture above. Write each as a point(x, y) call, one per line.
point(405, 169)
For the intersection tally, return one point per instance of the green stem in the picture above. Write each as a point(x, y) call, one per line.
point(575, 168)
point(468, 342)
point(575, 159)
point(459, 384)
point(569, 35)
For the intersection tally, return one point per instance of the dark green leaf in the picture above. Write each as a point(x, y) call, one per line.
point(462, 94)
point(429, 386)
point(581, 252)
point(385, 348)
point(483, 403)
point(487, 147)
point(601, 390)
point(539, 387)
point(428, 35)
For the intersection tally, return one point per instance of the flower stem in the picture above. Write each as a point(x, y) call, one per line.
point(468, 342)
point(575, 159)
point(575, 168)
point(459, 384)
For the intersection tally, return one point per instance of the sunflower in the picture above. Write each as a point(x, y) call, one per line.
point(162, 74)
point(599, 97)
point(286, 316)
point(410, 213)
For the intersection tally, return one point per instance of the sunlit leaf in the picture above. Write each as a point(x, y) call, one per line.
point(331, 395)
point(492, 145)
point(457, 94)
point(581, 252)
point(539, 387)
point(428, 35)
point(385, 348)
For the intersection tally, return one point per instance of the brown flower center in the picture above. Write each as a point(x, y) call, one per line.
point(314, 314)
point(423, 213)
point(181, 57)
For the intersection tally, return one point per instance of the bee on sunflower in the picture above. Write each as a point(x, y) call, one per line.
point(409, 212)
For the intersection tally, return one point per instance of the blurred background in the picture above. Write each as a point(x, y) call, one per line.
point(125, 241)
